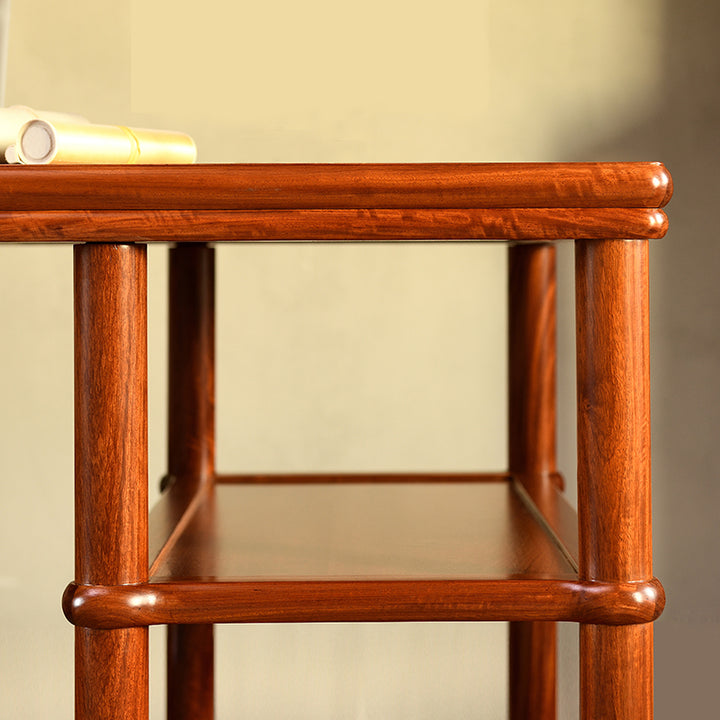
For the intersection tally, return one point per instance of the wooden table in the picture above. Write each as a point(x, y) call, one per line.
point(353, 548)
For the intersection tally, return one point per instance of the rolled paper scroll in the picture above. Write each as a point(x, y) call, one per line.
point(14, 117)
point(41, 142)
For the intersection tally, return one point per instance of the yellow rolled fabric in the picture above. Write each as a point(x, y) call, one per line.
point(41, 142)
point(14, 117)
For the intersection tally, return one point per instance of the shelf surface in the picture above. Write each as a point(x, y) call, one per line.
point(277, 549)
point(363, 531)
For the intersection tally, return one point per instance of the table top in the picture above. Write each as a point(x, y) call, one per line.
point(333, 202)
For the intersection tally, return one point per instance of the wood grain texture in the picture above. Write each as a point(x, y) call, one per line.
point(111, 469)
point(532, 455)
point(111, 669)
point(363, 600)
point(532, 661)
point(614, 466)
point(191, 672)
point(618, 683)
point(191, 454)
point(361, 225)
point(191, 376)
point(273, 187)
point(613, 411)
point(110, 414)
point(532, 385)
point(309, 548)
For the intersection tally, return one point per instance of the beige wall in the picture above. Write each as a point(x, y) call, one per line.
point(392, 376)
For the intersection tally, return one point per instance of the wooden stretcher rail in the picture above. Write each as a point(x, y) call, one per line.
point(329, 478)
point(362, 601)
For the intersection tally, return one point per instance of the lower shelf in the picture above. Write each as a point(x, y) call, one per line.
point(362, 531)
point(476, 549)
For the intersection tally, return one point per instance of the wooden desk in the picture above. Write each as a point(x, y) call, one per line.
point(219, 548)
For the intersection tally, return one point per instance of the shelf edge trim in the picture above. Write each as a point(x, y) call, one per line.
point(188, 602)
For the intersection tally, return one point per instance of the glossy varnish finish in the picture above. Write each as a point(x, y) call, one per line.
point(363, 530)
point(614, 466)
point(191, 455)
point(532, 456)
point(349, 186)
point(331, 225)
point(363, 552)
point(111, 470)
point(363, 600)
point(292, 548)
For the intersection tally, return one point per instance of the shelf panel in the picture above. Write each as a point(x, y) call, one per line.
point(276, 549)
point(345, 532)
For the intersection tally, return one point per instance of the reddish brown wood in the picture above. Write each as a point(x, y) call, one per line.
point(614, 410)
point(532, 369)
point(191, 453)
point(531, 413)
point(297, 551)
point(265, 187)
point(111, 469)
point(363, 600)
point(616, 671)
point(533, 670)
point(555, 513)
point(191, 380)
point(168, 518)
point(314, 478)
point(111, 677)
point(614, 465)
point(393, 531)
point(361, 225)
point(191, 667)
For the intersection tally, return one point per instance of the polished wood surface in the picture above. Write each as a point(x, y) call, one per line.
point(348, 547)
point(532, 384)
point(191, 455)
point(429, 530)
point(554, 512)
point(614, 422)
point(614, 466)
point(532, 454)
point(111, 674)
point(363, 600)
point(191, 376)
point(297, 186)
point(110, 401)
point(275, 571)
point(111, 470)
point(191, 672)
point(361, 225)
point(616, 671)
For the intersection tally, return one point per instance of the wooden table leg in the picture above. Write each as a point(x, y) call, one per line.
point(191, 453)
point(532, 456)
point(616, 677)
point(111, 470)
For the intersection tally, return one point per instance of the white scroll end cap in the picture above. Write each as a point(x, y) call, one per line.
point(36, 143)
point(11, 156)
